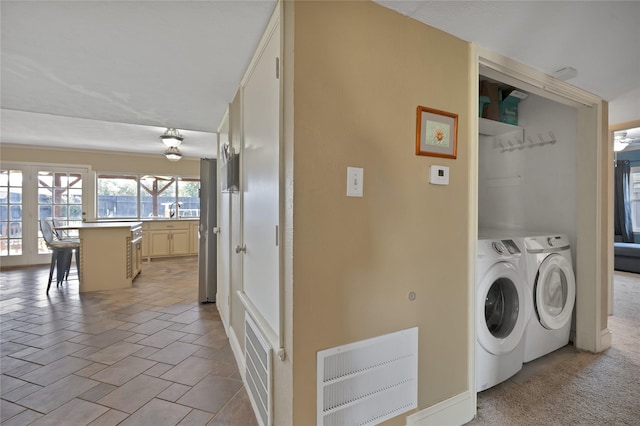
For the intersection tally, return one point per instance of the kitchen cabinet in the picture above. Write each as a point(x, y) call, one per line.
point(136, 262)
point(168, 238)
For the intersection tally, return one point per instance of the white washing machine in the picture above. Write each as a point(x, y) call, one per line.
point(552, 285)
point(503, 310)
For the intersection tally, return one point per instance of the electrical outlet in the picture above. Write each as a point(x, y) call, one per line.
point(355, 181)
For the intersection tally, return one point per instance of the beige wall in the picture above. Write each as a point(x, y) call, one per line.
point(360, 71)
point(101, 161)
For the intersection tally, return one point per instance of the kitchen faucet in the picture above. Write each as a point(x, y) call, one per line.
point(173, 212)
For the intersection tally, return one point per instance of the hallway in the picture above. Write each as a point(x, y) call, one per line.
point(140, 356)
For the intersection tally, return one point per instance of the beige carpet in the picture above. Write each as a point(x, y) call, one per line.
point(577, 388)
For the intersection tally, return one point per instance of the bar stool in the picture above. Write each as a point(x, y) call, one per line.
point(63, 235)
point(62, 251)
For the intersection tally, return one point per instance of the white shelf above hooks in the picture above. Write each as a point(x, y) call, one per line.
point(496, 128)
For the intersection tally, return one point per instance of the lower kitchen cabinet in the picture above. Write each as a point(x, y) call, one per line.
point(168, 238)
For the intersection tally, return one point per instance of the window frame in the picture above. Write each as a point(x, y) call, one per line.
point(139, 188)
point(634, 201)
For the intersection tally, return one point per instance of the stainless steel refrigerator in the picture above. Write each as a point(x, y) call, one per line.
point(208, 244)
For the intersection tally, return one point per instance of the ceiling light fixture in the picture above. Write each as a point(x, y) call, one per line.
point(173, 153)
point(172, 138)
point(619, 146)
point(620, 141)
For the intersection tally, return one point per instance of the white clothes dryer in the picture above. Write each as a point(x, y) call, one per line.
point(552, 285)
point(503, 310)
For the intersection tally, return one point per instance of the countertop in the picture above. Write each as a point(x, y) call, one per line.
point(95, 225)
point(149, 219)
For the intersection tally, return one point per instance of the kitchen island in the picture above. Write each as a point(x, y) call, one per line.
point(110, 254)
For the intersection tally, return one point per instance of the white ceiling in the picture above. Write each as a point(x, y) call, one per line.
point(113, 74)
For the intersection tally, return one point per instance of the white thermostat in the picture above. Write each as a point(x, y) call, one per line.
point(439, 175)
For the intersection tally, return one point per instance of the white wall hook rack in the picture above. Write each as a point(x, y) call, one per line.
point(519, 143)
point(548, 139)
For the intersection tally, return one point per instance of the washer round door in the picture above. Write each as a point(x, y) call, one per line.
point(502, 311)
point(555, 292)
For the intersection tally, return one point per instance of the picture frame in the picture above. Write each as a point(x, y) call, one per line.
point(436, 133)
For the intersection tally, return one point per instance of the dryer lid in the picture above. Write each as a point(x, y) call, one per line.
point(555, 292)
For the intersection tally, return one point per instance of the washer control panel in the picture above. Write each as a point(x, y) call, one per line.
point(505, 247)
point(556, 240)
point(547, 243)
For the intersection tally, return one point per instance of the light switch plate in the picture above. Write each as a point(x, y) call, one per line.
point(439, 175)
point(355, 181)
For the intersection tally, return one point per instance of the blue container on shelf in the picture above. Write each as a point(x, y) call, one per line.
point(509, 110)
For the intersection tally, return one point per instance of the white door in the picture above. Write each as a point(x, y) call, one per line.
point(29, 192)
point(260, 184)
point(555, 292)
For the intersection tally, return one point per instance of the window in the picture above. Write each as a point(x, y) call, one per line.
point(117, 196)
point(139, 196)
point(189, 197)
point(634, 197)
point(158, 196)
point(60, 198)
point(10, 212)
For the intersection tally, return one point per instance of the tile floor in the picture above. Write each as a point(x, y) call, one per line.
point(148, 355)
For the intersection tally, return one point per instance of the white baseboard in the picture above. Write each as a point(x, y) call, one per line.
point(238, 353)
point(456, 410)
point(224, 323)
point(605, 339)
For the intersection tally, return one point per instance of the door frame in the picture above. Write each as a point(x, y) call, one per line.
point(593, 263)
point(225, 271)
point(610, 201)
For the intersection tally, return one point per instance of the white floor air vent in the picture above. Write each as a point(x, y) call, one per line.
point(258, 356)
point(368, 382)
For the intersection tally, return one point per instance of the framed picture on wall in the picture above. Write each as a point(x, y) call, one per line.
point(436, 133)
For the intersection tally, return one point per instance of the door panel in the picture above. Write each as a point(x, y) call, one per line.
point(236, 309)
point(260, 184)
point(159, 243)
point(180, 242)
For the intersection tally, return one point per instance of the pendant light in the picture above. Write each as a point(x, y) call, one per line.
point(173, 153)
point(172, 139)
